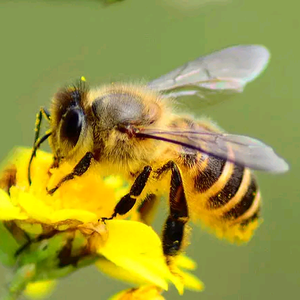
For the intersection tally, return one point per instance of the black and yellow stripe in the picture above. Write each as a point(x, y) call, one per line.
point(229, 191)
point(210, 175)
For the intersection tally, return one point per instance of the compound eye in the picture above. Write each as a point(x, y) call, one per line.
point(72, 126)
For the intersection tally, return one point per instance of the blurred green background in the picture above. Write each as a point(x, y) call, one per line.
point(47, 43)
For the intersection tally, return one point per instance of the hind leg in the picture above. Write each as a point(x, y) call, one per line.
point(173, 233)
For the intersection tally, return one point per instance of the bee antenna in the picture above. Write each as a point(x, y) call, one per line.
point(81, 85)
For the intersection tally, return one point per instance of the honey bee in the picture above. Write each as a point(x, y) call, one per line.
point(134, 131)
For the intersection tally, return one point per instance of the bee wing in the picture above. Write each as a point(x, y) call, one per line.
point(227, 70)
point(239, 149)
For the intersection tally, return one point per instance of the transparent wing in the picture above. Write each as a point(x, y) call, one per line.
point(227, 70)
point(239, 149)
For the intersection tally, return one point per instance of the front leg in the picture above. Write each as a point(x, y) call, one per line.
point(127, 202)
point(37, 140)
point(79, 170)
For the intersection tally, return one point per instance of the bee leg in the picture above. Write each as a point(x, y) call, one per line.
point(78, 170)
point(42, 113)
point(37, 140)
point(148, 208)
point(173, 232)
point(34, 149)
point(127, 202)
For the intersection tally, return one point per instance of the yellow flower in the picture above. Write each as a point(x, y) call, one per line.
point(39, 289)
point(66, 234)
point(67, 202)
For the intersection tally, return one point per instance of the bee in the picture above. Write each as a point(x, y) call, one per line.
point(135, 131)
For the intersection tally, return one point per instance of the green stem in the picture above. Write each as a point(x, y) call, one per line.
point(21, 278)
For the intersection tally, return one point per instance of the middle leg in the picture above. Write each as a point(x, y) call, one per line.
point(127, 202)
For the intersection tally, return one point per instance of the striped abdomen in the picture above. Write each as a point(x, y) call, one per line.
point(223, 195)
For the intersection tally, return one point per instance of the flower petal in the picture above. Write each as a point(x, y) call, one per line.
point(112, 270)
point(182, 261)
point(33, 206)
point(191, 282)
point(8, 211)
point(73, 214)
point(39, 289)
point(142, 293)
point(137, 248)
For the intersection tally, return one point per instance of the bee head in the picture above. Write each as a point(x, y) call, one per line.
point(68, 120)
point(104, 121)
